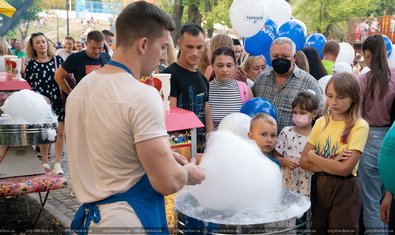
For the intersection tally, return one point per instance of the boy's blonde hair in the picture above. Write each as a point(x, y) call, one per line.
point(262, 117)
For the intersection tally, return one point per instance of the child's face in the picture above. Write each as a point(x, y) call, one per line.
point(339, 105)
point(302, 117)
point(265, 135)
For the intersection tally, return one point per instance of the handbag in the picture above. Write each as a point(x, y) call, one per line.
point(70, 80)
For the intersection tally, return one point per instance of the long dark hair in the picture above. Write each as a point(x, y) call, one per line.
point(379, 75)
point(317, 69)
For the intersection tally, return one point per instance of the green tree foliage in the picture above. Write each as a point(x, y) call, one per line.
point(331, 17)
point(26, 13)
point(203, 12)
point(384, 7)
point(218, 14)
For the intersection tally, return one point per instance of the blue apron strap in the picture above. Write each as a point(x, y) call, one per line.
point(148, 204)
point(83, 217)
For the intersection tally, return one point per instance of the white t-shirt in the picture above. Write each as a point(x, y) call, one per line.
point(63, 53)
point(106, 115)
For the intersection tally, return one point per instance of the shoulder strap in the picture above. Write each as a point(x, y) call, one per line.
point(243, 91)
point(56, 63)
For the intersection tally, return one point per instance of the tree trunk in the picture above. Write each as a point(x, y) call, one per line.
point(23, 29)
point(10, 23)
point(178, 9)
point(210, 33)
point(194, 15)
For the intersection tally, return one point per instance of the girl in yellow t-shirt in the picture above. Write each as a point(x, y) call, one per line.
point(332, 151)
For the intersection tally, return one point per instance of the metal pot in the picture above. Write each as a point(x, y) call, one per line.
point(187, 224)
point(25, 134)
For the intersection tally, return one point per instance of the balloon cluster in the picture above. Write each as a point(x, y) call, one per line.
point(260, 22)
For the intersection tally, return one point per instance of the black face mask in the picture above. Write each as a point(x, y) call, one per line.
point(281, 65)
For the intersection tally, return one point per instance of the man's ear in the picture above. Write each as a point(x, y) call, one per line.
point(178, 43)
point(142, 44)
point(293, 59)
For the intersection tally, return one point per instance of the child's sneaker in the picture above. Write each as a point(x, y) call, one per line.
point(46, 166)
point(57, 168)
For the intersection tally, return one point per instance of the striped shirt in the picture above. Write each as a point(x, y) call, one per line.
point(282, 96)
point(224, 99)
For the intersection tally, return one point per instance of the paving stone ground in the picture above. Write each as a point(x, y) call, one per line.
point(60, 203)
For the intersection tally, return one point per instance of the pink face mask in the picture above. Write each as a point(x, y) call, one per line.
point(301, 120)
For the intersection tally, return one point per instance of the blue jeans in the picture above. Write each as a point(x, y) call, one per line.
point(372, 189)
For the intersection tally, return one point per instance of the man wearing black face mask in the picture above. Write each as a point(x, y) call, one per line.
point(281, 84)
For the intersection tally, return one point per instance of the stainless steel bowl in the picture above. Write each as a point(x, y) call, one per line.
point(25, 134)
point(193, 220)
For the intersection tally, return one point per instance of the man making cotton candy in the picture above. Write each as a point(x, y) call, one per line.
point(120, 160)
point(281, 84)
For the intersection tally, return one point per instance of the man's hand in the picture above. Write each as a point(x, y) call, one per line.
point(385, 207)
point(195, 173)
point(179, 158)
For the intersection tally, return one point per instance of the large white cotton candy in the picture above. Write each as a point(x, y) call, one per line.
point(238, 175)
point(28, 107)
point(238, 123)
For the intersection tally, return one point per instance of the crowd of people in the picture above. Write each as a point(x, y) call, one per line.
point(331, 118)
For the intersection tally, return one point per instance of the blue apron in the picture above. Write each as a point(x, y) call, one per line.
point(148, 204)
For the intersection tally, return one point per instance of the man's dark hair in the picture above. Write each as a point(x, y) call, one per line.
point(69, 38)
point(107, 32)
point(331, 46)
point(192, 29)
point(141, 19)
point(95, 35)
point(236, 42)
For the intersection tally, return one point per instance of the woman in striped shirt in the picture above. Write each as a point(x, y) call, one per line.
point(226, 94)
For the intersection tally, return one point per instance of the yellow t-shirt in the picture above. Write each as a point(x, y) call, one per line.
point(327, 141)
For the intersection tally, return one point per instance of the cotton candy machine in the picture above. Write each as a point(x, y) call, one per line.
point(194, 219)
point(17, 157)
point(26, 119)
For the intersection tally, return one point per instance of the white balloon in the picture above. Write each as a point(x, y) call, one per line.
point(322, 83)
point(346, 53)
point(303, 25)
point(391, 59)
point(238, 123)
point(279, 11)
point(247, 16)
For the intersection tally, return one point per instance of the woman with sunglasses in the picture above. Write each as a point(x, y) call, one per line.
point(40, 72)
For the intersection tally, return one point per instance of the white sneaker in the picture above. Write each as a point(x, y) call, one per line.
point(46, 166)
point(57, 168)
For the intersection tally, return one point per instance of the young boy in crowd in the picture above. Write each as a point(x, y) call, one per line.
point(263, 130)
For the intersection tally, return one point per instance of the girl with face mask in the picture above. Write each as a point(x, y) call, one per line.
point(292, 140)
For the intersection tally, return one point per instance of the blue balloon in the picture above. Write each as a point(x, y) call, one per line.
point(260, 42)
point(316, 40)
point(388, 45)
point(293, 30)
point(258, 105)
